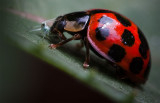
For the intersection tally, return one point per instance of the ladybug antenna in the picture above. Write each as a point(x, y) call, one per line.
point(38, 28)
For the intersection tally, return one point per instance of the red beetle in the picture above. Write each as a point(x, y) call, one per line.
point(109, 35)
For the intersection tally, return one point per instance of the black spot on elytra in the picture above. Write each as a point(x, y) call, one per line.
point(105, 19)
point(146, 73)
point(116, 53)
point(143, 48)
point(127, 38)
point(136, 65)
point(101, 33)
point(123, 20)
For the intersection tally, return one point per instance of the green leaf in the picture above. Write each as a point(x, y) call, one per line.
point(100, 75)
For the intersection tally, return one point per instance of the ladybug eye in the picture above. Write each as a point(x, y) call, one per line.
point(42, 25)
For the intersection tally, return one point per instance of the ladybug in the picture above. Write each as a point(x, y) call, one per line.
point(109, 35)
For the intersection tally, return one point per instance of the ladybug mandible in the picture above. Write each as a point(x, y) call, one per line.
point(109, 35)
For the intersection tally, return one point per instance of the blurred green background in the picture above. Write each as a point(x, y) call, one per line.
point(25, 78)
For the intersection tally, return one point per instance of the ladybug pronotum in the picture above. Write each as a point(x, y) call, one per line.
point(109, 35)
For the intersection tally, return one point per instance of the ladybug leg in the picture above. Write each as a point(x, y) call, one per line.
point(80, 45)
point(75, 37)
point(61, 35)
point(87, 58)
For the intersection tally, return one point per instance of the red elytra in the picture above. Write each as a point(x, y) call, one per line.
point(111, 36)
